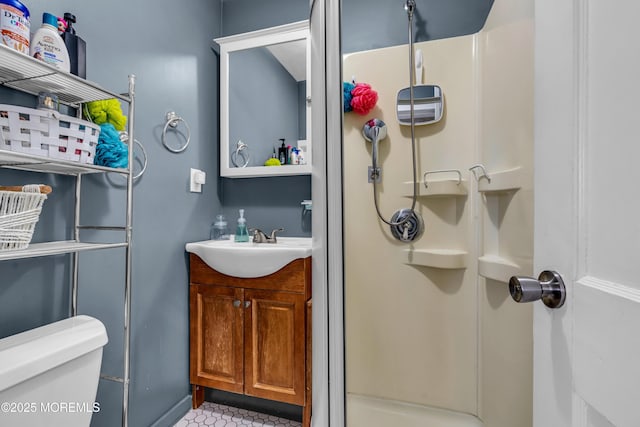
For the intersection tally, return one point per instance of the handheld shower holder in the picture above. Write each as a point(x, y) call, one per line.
point(374, 175)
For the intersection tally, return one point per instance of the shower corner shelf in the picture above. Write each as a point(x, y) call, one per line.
point(25, 74)
point(449, 259)
point(502, 181)
point(437, 188)
point(497, 268)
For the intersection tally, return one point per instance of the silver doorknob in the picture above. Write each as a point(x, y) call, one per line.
point(549, 288)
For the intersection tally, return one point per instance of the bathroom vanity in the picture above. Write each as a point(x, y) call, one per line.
point(252, 335)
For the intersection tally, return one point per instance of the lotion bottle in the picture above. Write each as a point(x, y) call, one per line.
point(242, 234)
point(48, 46)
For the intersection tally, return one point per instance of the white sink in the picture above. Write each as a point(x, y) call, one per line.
point(248, 259)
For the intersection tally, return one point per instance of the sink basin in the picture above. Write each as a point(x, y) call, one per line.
point(248, 259)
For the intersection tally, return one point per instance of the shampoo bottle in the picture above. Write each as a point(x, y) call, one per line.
point(76, 47)
point(48, 46)
point(242, 234)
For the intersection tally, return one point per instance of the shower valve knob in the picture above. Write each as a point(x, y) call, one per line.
point(549, 287)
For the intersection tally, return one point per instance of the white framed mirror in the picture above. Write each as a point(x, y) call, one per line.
point(264, 93)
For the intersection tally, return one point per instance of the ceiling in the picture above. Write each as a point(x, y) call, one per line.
point(293, 57)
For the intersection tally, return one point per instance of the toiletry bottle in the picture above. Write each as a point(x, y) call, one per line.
point(14, 25)
point(282, 153)
point(48, 46)
point(242, 234)
point(219, 230)
point(76, 47)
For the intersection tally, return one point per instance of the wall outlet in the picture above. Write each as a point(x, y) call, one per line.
point(197, 179)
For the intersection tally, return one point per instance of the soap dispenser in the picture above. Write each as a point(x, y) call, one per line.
point(242, 234)
point(76, 46)
point(282, 153)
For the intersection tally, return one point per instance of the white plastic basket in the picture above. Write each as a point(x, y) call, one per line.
point(47, 133)
point(19, 213)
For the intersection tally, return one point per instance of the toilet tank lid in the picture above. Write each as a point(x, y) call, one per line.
point(35, 351)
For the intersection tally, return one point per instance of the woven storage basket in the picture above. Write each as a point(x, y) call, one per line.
point(19, 213)
point(47, 133)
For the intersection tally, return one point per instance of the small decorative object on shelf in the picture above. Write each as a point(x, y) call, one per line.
point(19, 212)
point(47, 101)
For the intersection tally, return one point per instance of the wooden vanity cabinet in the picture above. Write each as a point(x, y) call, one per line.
point(251, 335)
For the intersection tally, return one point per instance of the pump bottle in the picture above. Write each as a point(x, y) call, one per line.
point(242, 234)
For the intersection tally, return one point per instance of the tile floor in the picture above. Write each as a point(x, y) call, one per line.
point(216, 415)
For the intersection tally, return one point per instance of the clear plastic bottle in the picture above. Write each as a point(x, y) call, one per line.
point(242, 234)
point(219, 230)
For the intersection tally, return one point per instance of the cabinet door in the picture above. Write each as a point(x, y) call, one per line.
point(275, 345)
point(216, 326)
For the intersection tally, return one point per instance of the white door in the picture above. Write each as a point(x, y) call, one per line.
point(587, 212)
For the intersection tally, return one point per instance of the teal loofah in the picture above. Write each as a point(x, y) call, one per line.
point(110, 151)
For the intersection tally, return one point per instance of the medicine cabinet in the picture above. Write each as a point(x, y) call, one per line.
point(264, 97)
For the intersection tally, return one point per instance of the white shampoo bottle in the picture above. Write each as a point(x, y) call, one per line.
point(47, 45)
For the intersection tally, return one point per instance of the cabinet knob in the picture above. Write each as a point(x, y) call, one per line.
point(236, 303)
point(247, 304)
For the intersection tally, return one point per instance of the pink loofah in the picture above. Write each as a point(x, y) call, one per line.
point(364, 98)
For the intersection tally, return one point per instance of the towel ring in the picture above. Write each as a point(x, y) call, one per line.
point(172, 121)
point(241, 149)
point(124, 137)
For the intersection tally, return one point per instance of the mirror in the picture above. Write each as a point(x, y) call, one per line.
point(428, 105)
point(264, 87)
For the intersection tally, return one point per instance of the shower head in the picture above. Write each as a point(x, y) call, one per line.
point(374, 130)
point(410, 6)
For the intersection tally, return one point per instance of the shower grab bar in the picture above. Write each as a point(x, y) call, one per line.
point(484, 172)
point(424, 177)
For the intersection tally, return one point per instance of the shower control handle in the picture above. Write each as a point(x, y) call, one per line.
point(549, 287)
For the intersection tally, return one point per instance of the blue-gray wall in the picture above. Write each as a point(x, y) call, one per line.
point(376, 24)
point(168, 47)
point(271, 202)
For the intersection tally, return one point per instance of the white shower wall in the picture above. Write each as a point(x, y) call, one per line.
point(422, 324)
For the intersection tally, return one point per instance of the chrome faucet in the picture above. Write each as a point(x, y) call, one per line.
point(260, 237)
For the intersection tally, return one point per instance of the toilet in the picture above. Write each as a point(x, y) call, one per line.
point(49, 375)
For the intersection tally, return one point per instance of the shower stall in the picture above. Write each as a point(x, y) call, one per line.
point(431, 336)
